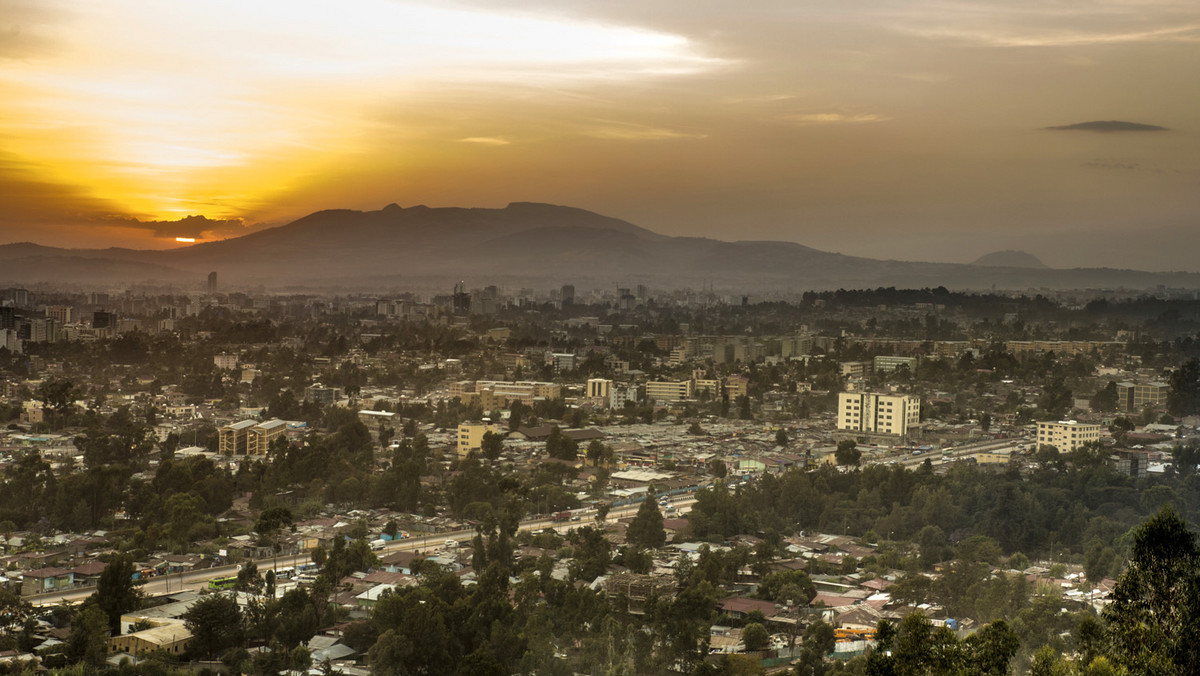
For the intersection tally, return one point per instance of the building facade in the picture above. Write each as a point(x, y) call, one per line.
point(890, 414)
point(470, 437)
point(668, 390)
point(598, 388)
point(1067, 435)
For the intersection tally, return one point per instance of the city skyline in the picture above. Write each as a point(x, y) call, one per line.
point(919, 131)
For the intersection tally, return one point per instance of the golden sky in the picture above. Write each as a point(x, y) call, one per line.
point(913, 129)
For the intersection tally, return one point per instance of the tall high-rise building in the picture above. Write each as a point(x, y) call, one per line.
point(462, 299)
point(103, 320)
point(60, 313)
point(212, 282)
point(568, 294)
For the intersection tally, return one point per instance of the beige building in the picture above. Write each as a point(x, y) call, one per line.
point(260, 436)
point(249, 437)
point(668, 390)
point(1135, 397)
point(1067, 435)
point(170, 636)
point(225, 361)
point(737, 385)
point(599, 388)
point(470, 437)
point(892, 414)
point(494, 394)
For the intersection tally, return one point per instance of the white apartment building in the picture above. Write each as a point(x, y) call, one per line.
point(894, 414)
point(1066, 435)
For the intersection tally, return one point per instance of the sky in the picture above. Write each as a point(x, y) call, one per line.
point(935, 130)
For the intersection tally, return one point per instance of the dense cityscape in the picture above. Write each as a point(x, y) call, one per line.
point(621, 481)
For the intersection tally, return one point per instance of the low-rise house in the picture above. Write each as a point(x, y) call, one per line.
point(88, 574)
point(45, 580)
point(169, 636)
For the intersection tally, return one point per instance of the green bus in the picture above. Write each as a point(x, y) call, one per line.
point(223, 583)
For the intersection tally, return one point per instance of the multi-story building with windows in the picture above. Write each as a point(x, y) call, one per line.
point(470, 436)
point(668, 390)
point(1067, 435)
point(1135, 397)
point(887, 363)
point(889, 414)
point(598, 388)
point(249, 437)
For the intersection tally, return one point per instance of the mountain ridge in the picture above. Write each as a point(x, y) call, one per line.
point(542, 243)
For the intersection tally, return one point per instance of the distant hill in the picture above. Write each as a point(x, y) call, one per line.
point(1010, 259)
point(523, 244)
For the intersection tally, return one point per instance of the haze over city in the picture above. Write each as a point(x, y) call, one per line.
point(935, 131)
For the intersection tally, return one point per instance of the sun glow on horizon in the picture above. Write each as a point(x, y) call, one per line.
point(219, 107)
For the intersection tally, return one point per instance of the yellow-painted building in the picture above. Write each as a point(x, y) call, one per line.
point(470, 437)
point(1066, 435)
point(171, 636)
point(668, 390)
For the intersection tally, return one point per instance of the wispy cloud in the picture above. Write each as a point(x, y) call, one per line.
point(1108, 127)
point(805, 119)
point(615, 131)
point(485, 140)
point(1016, 37)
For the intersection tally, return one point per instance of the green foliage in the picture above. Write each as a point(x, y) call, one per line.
point(755, 636)
point(789, 585)
point(89, 634)
point(116, 592)
point(215, 622)
point(819, 637)
point(847, 453)
point(646, 529)
point(560, 446)
point(1183, 395)
point(1155, 605)
point(492, 445)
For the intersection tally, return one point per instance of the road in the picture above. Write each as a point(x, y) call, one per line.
point(198, 579)
point(937, 457)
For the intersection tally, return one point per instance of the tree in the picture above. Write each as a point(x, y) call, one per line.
point(89, 635)
point(1155, 605)
point(755, 636)
point(1055, 400)
point(319, 555)
point(717, 468)
point(248, 579)
point(116, 592)
point(595, 452)
point(1183, 395)
point(992, 648)
point(560, 446)
point(695, 429)
point(744, 408)
point(59, 395)
point(272, 520)
point(216, 624)
point(492, 445)
point(1106, 398)
point(847, 453)
point(646, 529)
point(781, 438)
point(820, 637)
